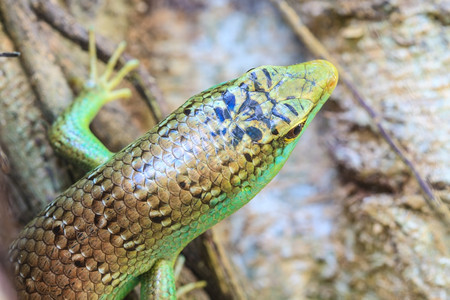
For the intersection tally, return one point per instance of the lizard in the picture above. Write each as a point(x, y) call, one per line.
point(127, 219)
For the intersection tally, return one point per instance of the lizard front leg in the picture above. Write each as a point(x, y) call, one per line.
point(70, 134)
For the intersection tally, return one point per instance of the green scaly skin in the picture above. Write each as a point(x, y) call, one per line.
point(133, 214)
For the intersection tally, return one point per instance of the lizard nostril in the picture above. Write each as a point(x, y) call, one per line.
point(332, 82)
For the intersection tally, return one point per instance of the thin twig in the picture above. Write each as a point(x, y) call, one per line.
point(144, 83)
point(9, 54)
point(317, 48)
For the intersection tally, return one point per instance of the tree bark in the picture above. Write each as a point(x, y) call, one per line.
point(388, 243)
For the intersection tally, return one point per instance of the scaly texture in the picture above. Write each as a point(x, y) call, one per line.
point(199, 165)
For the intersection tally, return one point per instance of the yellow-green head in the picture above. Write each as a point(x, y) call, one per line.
point(272, 102)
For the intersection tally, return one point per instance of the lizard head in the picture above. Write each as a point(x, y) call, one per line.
point(277, 103)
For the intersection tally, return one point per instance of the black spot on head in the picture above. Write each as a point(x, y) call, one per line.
point(182, 184)
point(254, 133)
point(291, 109)
point(248, 157)
point(260, 118)
point(269, 79)
point(226, 114)
point(258, 112)
point(266, 121)
point(257, 83)
point(244, 105)
point(219, 113)
point(230, 100)
point(187, 111)
point(251, 104)
point(244, 86)
point(275, 131)
point(238, 133)
point(282, 117)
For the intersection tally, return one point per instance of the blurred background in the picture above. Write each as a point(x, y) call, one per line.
point(346, 218)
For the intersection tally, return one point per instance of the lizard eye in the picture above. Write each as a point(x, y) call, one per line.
point(294, 132)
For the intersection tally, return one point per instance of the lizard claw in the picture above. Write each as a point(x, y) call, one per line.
point(105, 82)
